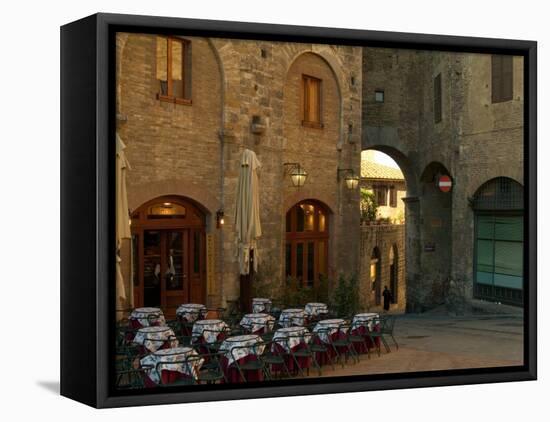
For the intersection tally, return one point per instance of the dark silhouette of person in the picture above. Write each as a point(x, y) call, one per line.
point(387, 298)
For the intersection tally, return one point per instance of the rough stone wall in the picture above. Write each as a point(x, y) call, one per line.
point(474, 142)
point(244, 95)
point(384, 237)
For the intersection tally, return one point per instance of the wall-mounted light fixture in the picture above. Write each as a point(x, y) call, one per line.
point(351, 179)
point(298, 175)
point(220, 221)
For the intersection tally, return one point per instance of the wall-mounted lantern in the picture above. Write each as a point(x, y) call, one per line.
point(351, 179)
point(298, 175)
point(220, 221)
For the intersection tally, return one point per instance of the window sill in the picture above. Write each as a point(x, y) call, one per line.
point(314, 125)
point(174, 100)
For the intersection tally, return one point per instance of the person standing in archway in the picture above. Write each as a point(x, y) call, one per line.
point(387, 298)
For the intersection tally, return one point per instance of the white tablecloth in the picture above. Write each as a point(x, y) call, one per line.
point(152, 338)
point(142, 315)
point(290, 317)
point(260, 304)
point(209, 329)
point(191, 311)
point(290, 337)
point(176, 354)
point(327, 327)
point(316, 308)
point(255, 322)
point(366, 319)
point(251, 345)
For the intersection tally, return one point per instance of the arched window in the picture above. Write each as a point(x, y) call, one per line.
point(306, 250)
point(498, 258)
point(394, 273)
point(375, 275)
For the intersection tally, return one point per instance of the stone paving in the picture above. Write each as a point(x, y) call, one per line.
point(429, 343)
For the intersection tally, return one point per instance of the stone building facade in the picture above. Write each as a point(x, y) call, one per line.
point(240, 94)
point(440, 116)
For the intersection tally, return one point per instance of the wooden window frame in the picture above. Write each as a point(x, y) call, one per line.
point(379, 188)
point(305, 102)
point(171, 98)
point(393, 197)
point(438, 98)
point(502, 78)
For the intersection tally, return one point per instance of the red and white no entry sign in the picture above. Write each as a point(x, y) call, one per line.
point(444, 183)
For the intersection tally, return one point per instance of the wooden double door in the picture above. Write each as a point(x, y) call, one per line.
point(169, 257)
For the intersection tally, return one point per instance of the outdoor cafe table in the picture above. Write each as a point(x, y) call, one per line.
point(314, 309)
point(249, 346)
point(180, 368)
point(190, 312)
point(290, 317)
point(328, 330)
point(155, 338)
point(363, 322)
point(290, 339)
point(260, 304)
point(208, 330)
point(257, 323)
point(143, 317)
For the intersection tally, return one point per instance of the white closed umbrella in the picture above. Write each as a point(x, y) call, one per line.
point(122, 217)
point(247, 211)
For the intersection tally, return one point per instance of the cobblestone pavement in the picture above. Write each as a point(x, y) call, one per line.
point(440, 342)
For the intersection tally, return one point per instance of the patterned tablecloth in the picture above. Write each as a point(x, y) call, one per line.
point(209, 329)
point(327, 327)
point(178, 355)
point(191, 311)
point(153, 338)
point(260, 304)
point(255, 322)
point(316, 308)
point(251, 345)
point(290, 317)
point(366, 319)
point(290, 337)
point(143, 315)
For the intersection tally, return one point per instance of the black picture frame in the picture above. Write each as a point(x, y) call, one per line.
point(87, 210)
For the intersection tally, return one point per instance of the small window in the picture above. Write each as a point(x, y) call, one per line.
point(379, 96)
point(311, 101)
point(437, 99)
point(381, 195)
point(393, 197)
point(166, 210)
point(502, 78)
point(173, 70)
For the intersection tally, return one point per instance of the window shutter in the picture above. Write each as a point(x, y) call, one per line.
point(496, 78)
point(507, 79)
point(437, 98)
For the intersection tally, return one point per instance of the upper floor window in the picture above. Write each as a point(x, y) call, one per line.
point(437, 99)
point(502, 76)
point(381, 193)
point(393, 197)
point(379, 96)
point(173, 71)
point(311, 97)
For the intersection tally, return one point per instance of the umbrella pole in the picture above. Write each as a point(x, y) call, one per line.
point(246, 286)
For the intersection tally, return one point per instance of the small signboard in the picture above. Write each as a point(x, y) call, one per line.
point(444, 183)
point(429, 247)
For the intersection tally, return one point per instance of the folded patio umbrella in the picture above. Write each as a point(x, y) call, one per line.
point(247, 211)
point(122, 216)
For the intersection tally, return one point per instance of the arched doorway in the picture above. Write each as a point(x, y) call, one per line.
point(498, 258)
point(394, 273)
point(168, 238)
point(375, 275)
point(307, 238)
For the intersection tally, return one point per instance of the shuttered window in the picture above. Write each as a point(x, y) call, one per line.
point(381, 195)
point(173, 70)
point(393, 197)
point(437, 99)
point(311, 98)
point(502, 78)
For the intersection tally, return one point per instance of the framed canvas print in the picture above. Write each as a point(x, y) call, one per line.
point(253, 210)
